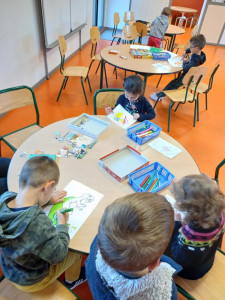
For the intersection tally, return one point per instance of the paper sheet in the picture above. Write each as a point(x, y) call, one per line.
point(176, 61)
point(161, 66)
point(80, 197)
point(164, 147)
point(121, 117)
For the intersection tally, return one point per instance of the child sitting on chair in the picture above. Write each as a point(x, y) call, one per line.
point(197, 58)
point(197, 235)
point(34, 253)
point(159, 27)
point(133, 100)
point(125, 260)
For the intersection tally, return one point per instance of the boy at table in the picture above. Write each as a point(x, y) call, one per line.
point(196, 58)
point(133, 100)
point(125, 260)
point(34, 253)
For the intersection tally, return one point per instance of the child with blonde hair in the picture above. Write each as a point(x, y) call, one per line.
point(125, 260)
point(199, 232)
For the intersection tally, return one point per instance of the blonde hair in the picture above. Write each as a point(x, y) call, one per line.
point(134, 231)
point(37, 171)
point(200, 197)
point(166, 11)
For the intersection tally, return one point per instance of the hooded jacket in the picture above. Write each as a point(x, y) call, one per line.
point(159, 27)
point(29, 242)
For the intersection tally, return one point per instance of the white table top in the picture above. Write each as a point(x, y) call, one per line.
point(184, 9)
point(90, 173)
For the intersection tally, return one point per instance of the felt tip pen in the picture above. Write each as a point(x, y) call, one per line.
point(63, 211)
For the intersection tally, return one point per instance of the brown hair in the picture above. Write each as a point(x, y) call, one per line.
point(200, 197)
point(135, 230)
point(37, 171)
point(198, 41)
point(166, 11)
point(133, 84)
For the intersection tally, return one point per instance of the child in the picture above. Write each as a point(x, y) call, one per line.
point(159, 27)
point(133, 100)
point(197, 58)
point(125, 260)
point(196, 237)
point(34, 252)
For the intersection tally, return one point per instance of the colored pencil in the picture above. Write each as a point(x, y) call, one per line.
point(144, 181)
point(63, 211)
point(152, 185)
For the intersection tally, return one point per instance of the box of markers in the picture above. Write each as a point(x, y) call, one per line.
point(152, 178)
point(143, 132)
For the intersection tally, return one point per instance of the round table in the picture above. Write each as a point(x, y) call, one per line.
point(172, 31)
point(144, 67)
point(183, 10)
point(90, 173)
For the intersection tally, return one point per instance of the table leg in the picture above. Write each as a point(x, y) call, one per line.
point(101, 74)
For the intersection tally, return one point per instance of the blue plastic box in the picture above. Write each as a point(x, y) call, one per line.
point(156, 169)
point(161, 55)
point(132, 132)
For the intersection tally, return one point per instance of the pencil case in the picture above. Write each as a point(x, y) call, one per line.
point(161, 55)
point(152, 178)
point(134, 133)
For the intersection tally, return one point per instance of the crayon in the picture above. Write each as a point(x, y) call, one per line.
point(63, 211)
point(147, 182)
point(153, 183)
point(144, 181)
point(145, 134)
point(142, 132)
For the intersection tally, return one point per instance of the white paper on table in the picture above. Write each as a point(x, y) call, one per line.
point(121, 117)
point(176, 61)
point(140, 47)
point(171, 53)
point(172, 201)
point(164, 147)
point(161, 66)
point(80, 197)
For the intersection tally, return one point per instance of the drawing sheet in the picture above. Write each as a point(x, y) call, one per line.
point(121, 117)
point(164, 147)
point(176, 61)
point(80, 197)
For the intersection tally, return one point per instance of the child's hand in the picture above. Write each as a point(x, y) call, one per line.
point(177, 217)
point(62, 218)
point(108, 110)
point(136, 116)
point(57, 197)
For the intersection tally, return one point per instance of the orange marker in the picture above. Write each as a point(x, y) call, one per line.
point(151, 186)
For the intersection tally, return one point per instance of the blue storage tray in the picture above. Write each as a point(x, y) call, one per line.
point(131, 132)
point(161, 55)
point(137, 177)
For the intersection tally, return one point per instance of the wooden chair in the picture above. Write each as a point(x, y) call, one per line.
point(15, 98)
point(55, 291)
point(129, 34)
point(106, 97)
point(95, 37)
point(141, 30)
point(75, 71)
point(187, 45)
point(216, 178)
point(211, 286)
point(114, 34)
point(129, 18)
point(183, 95)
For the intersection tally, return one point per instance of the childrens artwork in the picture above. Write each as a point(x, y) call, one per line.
point(176, 61)
point(121, 117)
point(82, 199)
point(164, 147)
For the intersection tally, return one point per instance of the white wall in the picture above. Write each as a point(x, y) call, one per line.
point(112, 6)
point(22, 59)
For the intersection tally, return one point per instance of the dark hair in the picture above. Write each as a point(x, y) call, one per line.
point(134, 231)
point(200, 197)
point(166, 11)
point(37, 171)
point(198, 41)
point(133, 84)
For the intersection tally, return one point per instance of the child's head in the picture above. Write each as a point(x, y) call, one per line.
point(39, 172)
point(166, 11)
point(197, 43)
point(135, 230)
point(133, 86)
point(200, 198)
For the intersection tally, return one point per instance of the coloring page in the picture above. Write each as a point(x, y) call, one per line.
point(176, 61)
point(164, 147)
point(82, 199)
point(121, 117)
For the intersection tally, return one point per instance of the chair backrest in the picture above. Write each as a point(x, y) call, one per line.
point(211, 286)
point(194, 30)
point(129, 33)
point(94, 34)
point(106, 97)
point(141, 28)
point(128, 17)
point(16, 97)
point(216, 178)
point(116, 18)
point(62, 45)
point(196, 73)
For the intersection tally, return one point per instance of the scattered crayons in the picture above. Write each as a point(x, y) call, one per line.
point(153, 184)
point(144, 181)
point(149, 181)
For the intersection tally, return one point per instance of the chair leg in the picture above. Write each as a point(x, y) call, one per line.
point(81, 79)
point(159, 81)
point(197, 107)
point(98, 67)
point(170, 107)
point(64, 80)
point(112, 41)
point(177, 106)
point(195, 111)
point(89, 83)
point(156, 103)
point(206, 101)
point(106, 81)
point(89, 69)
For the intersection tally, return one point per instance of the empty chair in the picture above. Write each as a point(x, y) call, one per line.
point(16, 98)
point(129, 34)
point(129, 17)
point(180, 20)
point(141, 30)
point(73, 71)
point(116, 23)
point(193, 20)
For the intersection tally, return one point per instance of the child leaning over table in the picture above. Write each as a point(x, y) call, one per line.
point(197, 235)
point(133, 100)
point(34, 252)
point(197, 57)
point(125, 260)
point(159, 27)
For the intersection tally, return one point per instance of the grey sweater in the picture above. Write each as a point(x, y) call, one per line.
point(29, 242)
point(159, 26)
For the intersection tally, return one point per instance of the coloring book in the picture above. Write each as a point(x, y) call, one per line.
point(121, 117)
point(79, 197)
